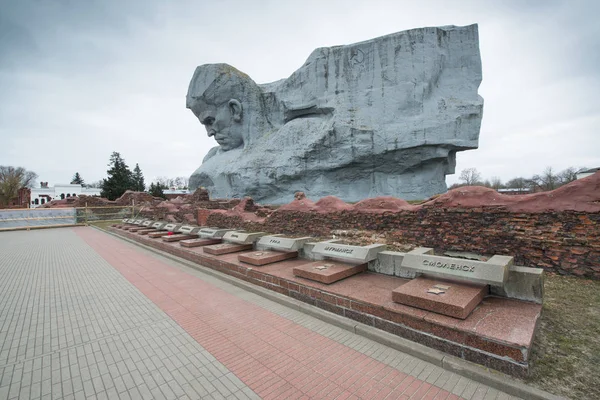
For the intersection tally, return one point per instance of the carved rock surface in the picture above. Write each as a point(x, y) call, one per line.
point(384, 117)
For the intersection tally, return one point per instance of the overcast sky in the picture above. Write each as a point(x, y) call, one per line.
point(80, 79)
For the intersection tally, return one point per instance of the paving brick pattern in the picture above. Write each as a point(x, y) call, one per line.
point(71, 327)
point(110, 320)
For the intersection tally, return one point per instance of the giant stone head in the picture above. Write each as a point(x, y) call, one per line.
point(221, 97)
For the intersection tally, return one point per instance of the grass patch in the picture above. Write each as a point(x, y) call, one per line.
point(566, 351)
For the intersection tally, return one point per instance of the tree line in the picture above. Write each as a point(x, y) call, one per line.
point(549, 179)
point(120, 179)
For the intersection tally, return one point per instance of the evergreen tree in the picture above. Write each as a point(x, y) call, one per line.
point(156, 190)
point(119, 178)
point(77, 179)
point(138, 179)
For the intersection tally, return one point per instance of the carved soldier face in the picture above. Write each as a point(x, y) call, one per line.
point(224, 122)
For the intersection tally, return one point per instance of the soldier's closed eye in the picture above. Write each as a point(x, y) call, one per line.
point(207, 121)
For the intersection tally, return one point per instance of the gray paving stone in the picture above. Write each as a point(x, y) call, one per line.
point(71, 326)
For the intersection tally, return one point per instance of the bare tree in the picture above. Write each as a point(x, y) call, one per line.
point(517, 183)
point(12, 179)
point(470, 176)
point(496, 183)
point(567, 175)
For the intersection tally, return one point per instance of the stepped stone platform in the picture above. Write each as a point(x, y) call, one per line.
point(498, 333)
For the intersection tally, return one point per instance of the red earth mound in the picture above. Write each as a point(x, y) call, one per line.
point(304, 205)
point(332, 204)
point(382, 204)
point(580, 195)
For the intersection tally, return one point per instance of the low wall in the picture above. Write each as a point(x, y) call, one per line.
point(566, 242)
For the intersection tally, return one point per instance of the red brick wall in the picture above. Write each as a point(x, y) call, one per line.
point(567, 242)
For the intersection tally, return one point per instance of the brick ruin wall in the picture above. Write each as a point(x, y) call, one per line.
point(565, 242)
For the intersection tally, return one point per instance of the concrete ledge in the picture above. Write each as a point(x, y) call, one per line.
point(461, 367)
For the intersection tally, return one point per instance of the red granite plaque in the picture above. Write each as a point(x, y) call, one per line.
point(199, 242)
point(328, 271)
point(263, 257)
point(443, 297)
point(226, 248)
point(147, 231)
point(178, 237)
point(158, 234)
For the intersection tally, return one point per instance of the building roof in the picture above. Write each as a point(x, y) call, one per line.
point(589, 171)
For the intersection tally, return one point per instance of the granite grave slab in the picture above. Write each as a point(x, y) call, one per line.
point(327, 271)
point(226, 248)
point(449, 298)
point(264, 257)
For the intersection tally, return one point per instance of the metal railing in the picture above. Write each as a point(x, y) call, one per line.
point(28, 218)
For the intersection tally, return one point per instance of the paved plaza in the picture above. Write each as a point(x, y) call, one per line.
point(85, 315)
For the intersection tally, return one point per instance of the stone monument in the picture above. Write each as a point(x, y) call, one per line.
point(380, 117)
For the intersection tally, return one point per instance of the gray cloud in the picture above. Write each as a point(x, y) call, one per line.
point(80, 79)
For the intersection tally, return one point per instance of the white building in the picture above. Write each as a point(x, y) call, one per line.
point(44, 193)
point(586, 172)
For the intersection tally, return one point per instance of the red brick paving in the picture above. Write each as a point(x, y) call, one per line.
point(274, 356)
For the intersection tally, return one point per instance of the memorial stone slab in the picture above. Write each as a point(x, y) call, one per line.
point(491, 272)
point(199, 242)
point(148, 222)
point(358, 254)
point(168, 228)
point(178, 236)
point(189, 229)
point(264, 257)
point(453, 299)
point(328, 272)
point(242, 237)
point(226, 248)
point(159, 225)
point(281, 243)
point(172, 227)
point(213, 233)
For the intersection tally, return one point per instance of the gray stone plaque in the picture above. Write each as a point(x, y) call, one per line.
point(159, 225)
point(242, 237)
point(172, 227)
point(148, 222)
point(281, 243)
point(213, 233)
point(189, 229)
point(491, 272)
point(347, 252)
